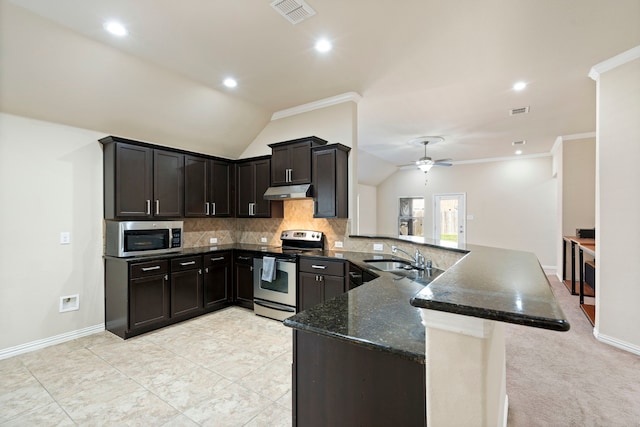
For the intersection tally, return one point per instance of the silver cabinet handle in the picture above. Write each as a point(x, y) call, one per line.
point(166, 277)
point(220, 259)
point(319, 267)
point(148, 203)
point(187, 263)
point(206, 269)
point(213, 208)
point(200, 271)
point(244, 258)
point(206, 207)
point(155, 267)
point(157, 206)
point(252, 209)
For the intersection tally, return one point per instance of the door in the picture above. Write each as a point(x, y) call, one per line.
point(449, 218)
point(133, 180)
point(262, 176)
point(245, 188)
point(221, 185)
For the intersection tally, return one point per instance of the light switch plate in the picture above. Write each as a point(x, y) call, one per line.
point(377, 246)
point(213, 240)
point(65, 238)
point(263, 240)
point(339, 245)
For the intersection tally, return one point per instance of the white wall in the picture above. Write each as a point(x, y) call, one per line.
point(579, 185)
point(50, 181)
point(618, 206)
point(513, 203)
point(367, 214)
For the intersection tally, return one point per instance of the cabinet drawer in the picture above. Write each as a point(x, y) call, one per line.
point(186, 263)
point(315, 265)
point(216, 258)
point(244, 258)
point(149, 268)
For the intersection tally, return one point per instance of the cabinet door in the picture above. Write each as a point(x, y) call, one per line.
point(245, 188)
point(186, 292)
point(196, 189)
point(310, 291)
point(133, 180)
point(262, 175)
point(280, 164)
point(148, 301)
point(300, 163)
point(333, 286)
point(244, 285)
point(324, 181)
point(221, 182)
point(217, 276)
point(168, 172)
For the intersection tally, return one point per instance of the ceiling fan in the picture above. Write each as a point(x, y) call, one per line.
point(426, 163)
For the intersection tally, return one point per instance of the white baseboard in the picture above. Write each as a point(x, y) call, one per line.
point(46, 342)
point(549, 269)
point(623, 345)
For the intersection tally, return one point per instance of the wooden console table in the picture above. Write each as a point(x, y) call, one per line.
point(575, 241)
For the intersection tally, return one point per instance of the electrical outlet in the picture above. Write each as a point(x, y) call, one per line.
point(263, 240)
point(378, 247)
point(339, 245)
point(213, 240)
point(65, 238)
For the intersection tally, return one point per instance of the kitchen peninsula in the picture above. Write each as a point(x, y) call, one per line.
point(361, 356)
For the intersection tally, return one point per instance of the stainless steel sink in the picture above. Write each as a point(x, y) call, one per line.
point(389, 265)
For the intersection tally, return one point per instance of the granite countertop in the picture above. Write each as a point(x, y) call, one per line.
point(384, 314)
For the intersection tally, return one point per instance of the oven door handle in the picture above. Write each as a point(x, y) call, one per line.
point(274, 306)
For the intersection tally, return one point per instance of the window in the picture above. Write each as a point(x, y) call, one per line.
point(411, 214)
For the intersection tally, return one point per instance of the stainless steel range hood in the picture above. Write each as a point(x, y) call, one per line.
point(302, 191)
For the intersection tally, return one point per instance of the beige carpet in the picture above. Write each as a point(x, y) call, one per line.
point(569, 378)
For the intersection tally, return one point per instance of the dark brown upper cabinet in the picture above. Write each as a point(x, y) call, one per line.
point(331, 181)
point(252, 180)
point(141, 181)
point(291, 161)
point(208, 187)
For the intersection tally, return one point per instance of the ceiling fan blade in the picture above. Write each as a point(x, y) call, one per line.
point(443, 162)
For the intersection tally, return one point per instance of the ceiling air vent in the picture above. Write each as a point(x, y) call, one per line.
point(516, 111)
point(294, 10)
point(519, 142)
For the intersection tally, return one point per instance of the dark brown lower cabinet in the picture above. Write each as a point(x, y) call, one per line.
point(319, 280)
point(149, 303)
point(337, 383)
point(243, 277)
point(186, 287)
point(217, 280)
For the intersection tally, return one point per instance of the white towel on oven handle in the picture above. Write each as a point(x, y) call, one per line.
point(268, 268)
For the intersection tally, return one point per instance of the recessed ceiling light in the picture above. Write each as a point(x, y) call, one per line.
point(518, 152)
point(519, 86)
point(229, 82)
point(115, 28)
point(323, 45)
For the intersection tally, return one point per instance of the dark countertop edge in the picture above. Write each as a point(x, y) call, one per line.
point(414, 357)
point(417, 241)
point(501, 316)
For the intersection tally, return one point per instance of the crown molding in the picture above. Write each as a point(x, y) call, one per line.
point(614, 62)
point(316, 105)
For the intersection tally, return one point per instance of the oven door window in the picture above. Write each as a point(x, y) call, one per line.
point(281, 284)
point(145, 240)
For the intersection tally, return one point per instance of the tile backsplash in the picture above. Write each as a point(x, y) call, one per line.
point(298, 214)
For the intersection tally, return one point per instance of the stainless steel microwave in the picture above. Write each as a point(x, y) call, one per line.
point(134, 238)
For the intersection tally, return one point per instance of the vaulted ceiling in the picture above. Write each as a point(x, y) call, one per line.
point(422, 67)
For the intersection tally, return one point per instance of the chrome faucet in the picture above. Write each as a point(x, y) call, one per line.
point(418, 260)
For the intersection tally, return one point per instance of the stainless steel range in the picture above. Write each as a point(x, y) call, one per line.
point(274, 275)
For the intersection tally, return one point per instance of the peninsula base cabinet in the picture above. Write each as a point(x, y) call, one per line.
point(141, 296)
point(319, 280)
point(337, 383)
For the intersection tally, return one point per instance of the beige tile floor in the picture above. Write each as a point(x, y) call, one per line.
point(227, 368)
